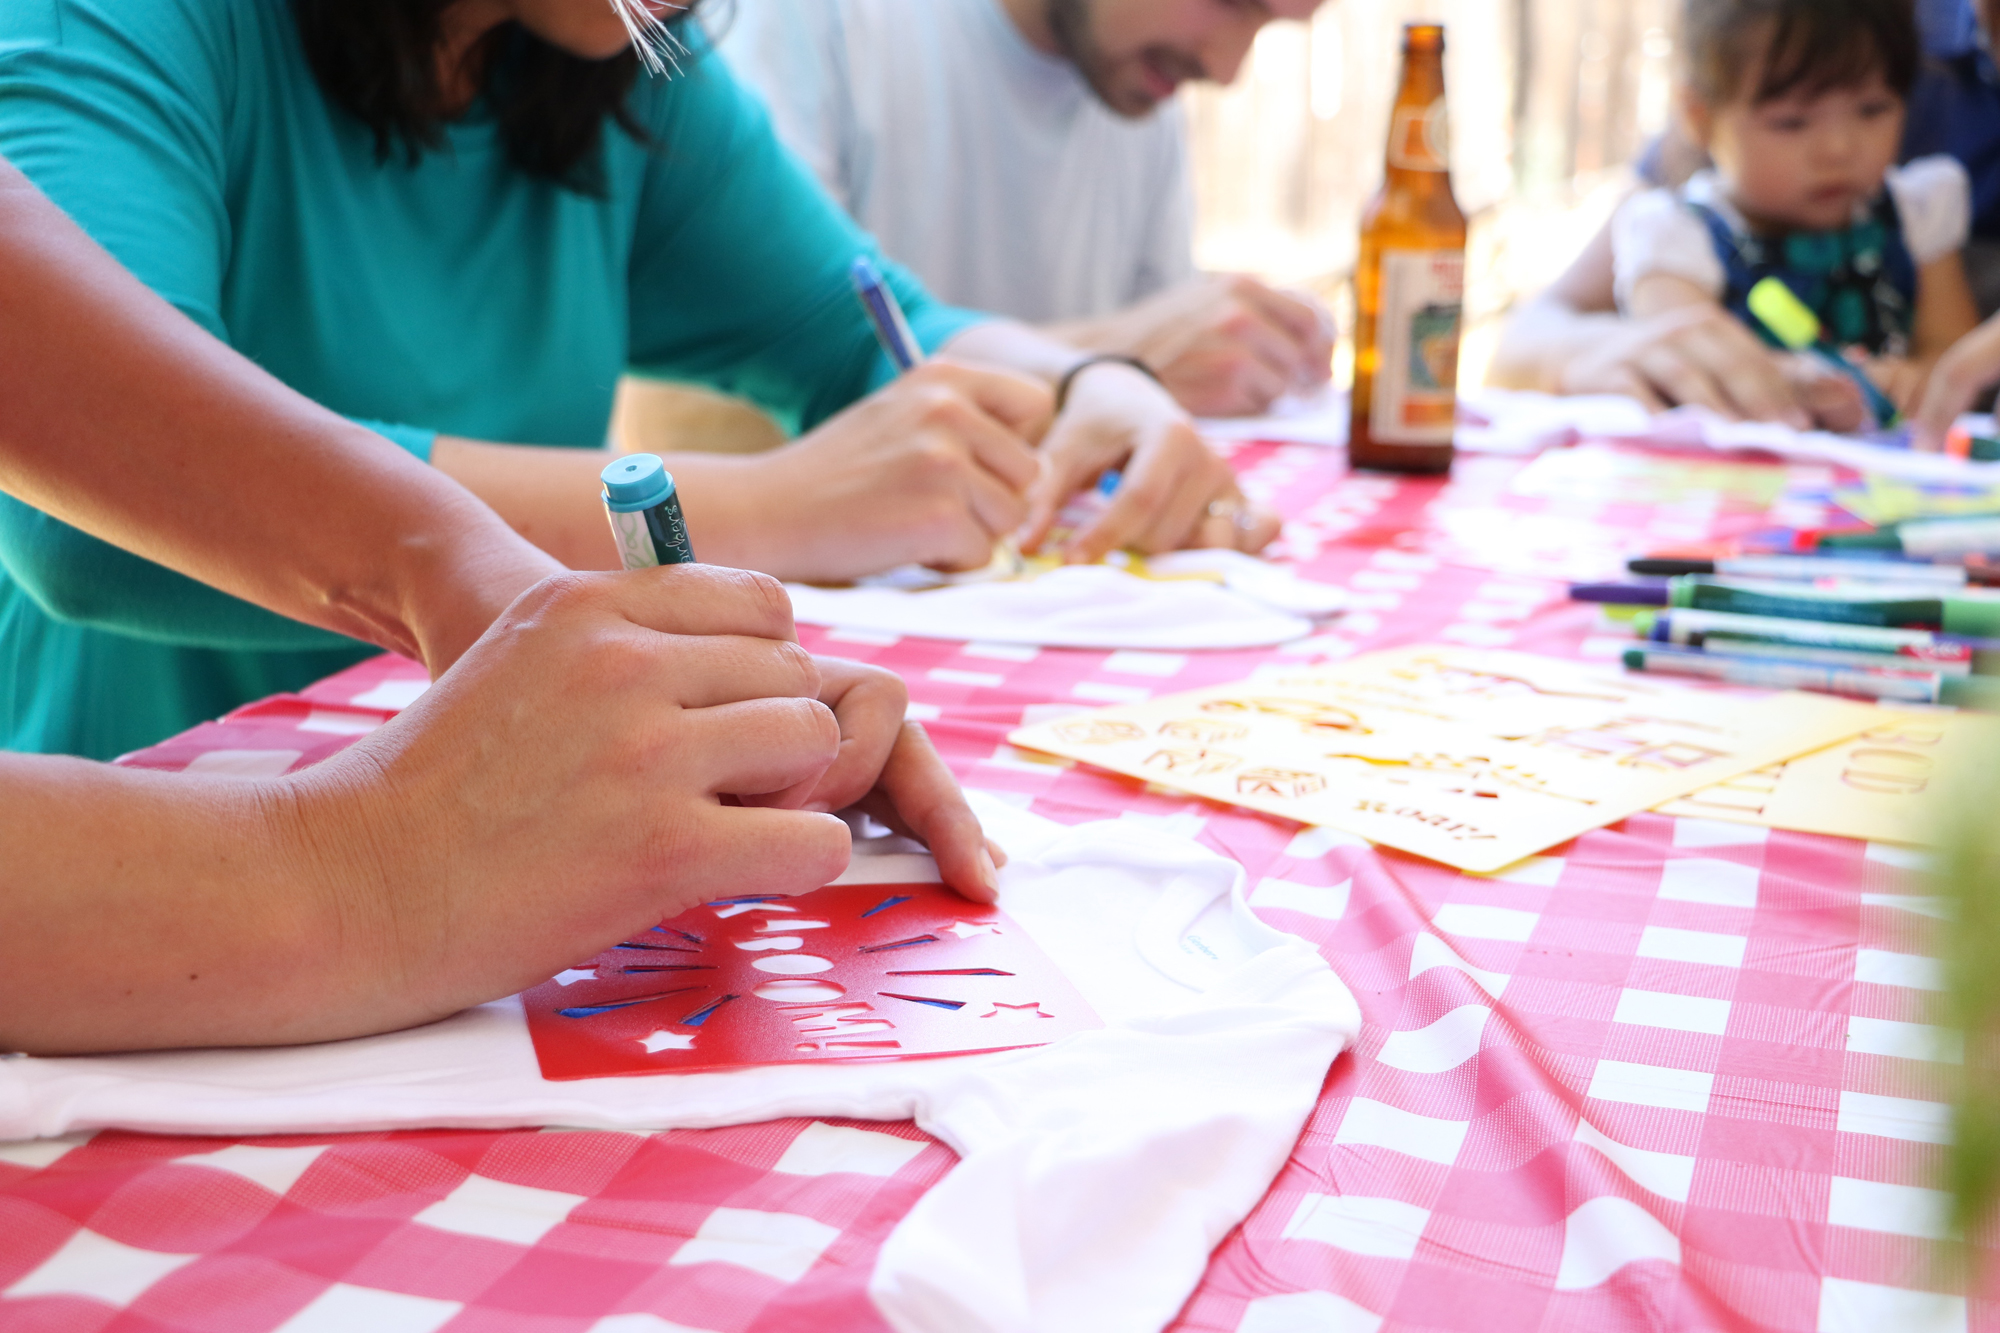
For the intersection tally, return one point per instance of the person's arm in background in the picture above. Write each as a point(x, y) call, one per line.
point(1945, 317)
point(125, 420)
point(1223, 344)
point(1933, 198)
point(1571, 339)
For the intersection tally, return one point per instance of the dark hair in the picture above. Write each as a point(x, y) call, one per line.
point(377, 60)
point(1808, 46)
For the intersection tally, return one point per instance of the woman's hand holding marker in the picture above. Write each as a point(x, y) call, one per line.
point(616, 750)
point(933, 469)
point(885, 765)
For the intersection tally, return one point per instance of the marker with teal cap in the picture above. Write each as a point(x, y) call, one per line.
point(645, 512)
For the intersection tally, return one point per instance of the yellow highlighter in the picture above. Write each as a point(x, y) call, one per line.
point(1792, 322)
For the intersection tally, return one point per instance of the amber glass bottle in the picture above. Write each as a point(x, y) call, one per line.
point(1409, 282)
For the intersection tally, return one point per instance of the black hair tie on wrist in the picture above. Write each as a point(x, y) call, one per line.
point(1107, 358)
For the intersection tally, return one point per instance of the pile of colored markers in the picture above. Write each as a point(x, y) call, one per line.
point(1904, 614)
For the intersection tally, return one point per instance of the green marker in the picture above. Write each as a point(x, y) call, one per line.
point(1969, 613)
point(645, 512)
point(1792, 322)
point(1926, 538)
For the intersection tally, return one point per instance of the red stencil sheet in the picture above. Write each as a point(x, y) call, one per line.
point(852, 971)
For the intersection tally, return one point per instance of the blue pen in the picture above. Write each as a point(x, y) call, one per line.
point(644, 507)
point(891, 329)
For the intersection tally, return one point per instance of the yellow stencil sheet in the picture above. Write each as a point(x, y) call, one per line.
point(1476, 759)
point(1882, 786)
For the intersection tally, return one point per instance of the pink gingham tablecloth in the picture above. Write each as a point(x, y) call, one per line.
point(1677, 1074)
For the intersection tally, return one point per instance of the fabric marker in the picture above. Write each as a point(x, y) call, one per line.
point(1950, 659)
point(1691, 628)
point(1894, 686)
point(644, 507)
point(1810, 568)
point(1856, 646)
point(892, 330)
point(1962, 443)
point(1973, 612)
point(1970, 611)
point(1928, 538)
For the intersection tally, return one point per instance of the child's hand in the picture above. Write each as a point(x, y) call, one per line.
point(1831, 399)
point(1898, 377)
point(1969, 367)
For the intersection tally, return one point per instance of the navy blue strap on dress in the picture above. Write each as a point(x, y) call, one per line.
point(1860, 281)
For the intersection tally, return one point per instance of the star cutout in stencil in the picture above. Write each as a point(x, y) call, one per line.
point(1010, 1012)
point(668, 1041)
point(962, 929)
point(575, 974)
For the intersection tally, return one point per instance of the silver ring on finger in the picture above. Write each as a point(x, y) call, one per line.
point(1232, 509)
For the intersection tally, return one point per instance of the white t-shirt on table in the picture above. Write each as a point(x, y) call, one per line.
point(987, 167)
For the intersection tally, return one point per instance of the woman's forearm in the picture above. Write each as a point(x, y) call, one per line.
point(1007, 345)
point(128, 421)
point(192, 898)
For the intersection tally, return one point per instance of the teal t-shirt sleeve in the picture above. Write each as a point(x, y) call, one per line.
point(740, 260)
point(121, 124)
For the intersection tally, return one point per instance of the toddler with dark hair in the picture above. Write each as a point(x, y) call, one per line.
point(1800, 106)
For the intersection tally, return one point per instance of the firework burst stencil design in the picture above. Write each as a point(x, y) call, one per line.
point(852, 971)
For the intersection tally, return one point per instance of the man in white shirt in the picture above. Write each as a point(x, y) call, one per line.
point(1026, 157)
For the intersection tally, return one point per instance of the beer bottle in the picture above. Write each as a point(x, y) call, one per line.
point(1409, 283)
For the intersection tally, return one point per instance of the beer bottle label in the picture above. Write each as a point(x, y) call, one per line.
point(1415, 398)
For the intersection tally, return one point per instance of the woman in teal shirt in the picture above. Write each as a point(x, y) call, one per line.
point(468, 275)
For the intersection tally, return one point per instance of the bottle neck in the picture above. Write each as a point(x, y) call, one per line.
point(1419, 133)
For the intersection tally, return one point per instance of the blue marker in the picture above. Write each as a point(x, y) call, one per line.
point(891, 329)
point(645, 512)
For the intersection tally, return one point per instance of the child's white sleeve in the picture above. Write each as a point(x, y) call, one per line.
point(1655, 234)
point(1934, 200)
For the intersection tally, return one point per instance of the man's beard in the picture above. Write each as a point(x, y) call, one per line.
point(1070, 25)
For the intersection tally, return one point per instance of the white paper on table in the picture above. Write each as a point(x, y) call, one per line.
point(1521, 422)
point(1507, 421)
point(1490, 421)
point(1316, 418)
point(1694, 426)
point(1090, 606)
